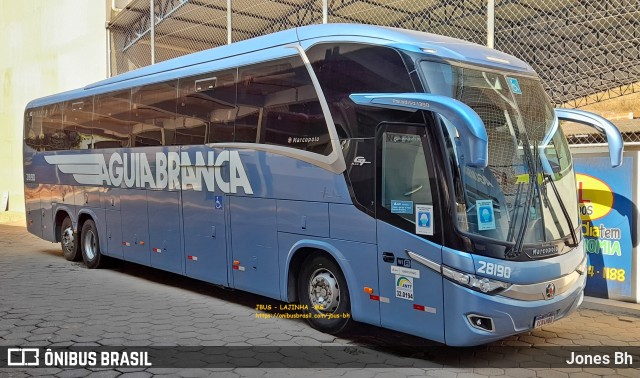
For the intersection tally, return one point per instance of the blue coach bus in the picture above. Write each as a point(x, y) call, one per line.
point(397, 178)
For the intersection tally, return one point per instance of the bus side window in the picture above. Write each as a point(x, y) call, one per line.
point(76, 123)
point(153, 113)
point(405, 175)
point(52, 137)
point(277, 104)
point(206, 109)
point(255, 84)
point(33, 133)
point(111, 120)
point(346, 68)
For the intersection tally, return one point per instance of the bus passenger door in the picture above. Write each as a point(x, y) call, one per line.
point(203, 217)
point(407, 210)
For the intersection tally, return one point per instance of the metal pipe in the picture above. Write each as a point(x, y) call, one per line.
point(152, 18)
point(229, 20)
point(325, 11)
point(108, 51)
point(491, 20)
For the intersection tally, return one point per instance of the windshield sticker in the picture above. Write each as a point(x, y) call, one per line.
point(424, 219)
point(486, 216)
point(401, 207)
point(404, 287)
point(514, 85)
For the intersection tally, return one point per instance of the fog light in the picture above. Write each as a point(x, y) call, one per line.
point(481, 322)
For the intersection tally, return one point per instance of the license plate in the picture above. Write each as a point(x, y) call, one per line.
point(543, 320)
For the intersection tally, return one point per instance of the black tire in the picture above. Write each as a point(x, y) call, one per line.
point(90, 245)
point(69, 241)
point(318, 274)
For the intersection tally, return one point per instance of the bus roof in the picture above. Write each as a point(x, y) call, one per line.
point(430, 44)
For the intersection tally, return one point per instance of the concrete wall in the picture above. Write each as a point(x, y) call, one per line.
point(46, 47)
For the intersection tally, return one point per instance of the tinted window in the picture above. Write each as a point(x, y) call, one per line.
point(343, 69)
point(405, 176)
point(406, 181)
point(30, 132)
point(111, 120)
point(77, 123)
point(153, 114)
point(44, 128)
point(277, 104)
point(206, 110)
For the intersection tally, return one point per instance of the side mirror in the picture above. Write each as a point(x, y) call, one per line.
point(473, 134)
point(614, 139)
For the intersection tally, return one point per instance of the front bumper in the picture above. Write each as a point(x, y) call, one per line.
point(509, 316)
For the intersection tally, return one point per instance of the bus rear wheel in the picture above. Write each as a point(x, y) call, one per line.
point(323, 289)
point(90, 245)
point(69, 241)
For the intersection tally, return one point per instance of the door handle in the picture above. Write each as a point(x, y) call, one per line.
point(388, 257)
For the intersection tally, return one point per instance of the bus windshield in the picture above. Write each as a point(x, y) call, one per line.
point(527, 192)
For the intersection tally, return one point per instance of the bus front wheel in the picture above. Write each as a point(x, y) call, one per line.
point(322, 289)
point(90, 245)
point(69, 241)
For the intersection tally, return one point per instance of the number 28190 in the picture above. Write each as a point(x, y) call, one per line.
point(492, 269)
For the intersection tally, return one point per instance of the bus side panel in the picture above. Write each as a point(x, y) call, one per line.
point(47, 193)
point(66, 199)
point(205, 240)
point(90, 197)
point(110, 200)
point(413, 292)
point(282, 177)
point(306, 218)
point(255, 245)
point(164, 231)
point(349, 223)
point(135, 226)
point(358, 264)
point(33, 208)
point(114, 233)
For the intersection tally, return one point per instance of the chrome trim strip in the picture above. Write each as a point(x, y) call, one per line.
point(536, 292)
point(424, 261)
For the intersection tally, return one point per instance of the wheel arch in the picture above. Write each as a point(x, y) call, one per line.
point(86, 214)
point(83, 217)
point(296, 256)
point(61, 214)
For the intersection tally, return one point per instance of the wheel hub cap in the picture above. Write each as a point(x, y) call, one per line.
point(90, 245)
point(324, 291)
point(68, 239)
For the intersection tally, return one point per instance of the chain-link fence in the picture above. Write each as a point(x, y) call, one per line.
point(585, 51)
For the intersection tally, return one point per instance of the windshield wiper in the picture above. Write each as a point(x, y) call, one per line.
point(563, 207)
point(516, 250)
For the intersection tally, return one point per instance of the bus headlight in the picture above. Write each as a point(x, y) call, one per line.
point(482, 284)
